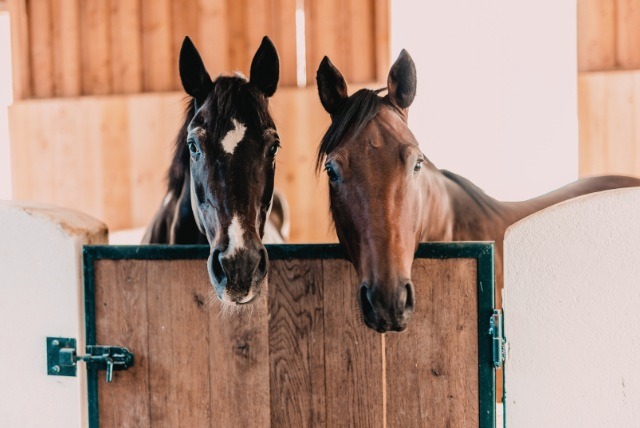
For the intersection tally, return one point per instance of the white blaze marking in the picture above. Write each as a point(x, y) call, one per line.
point(233, 137)
point(236, 237)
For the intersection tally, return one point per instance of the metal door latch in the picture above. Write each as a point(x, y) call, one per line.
point(62, 359)
point(500, 344)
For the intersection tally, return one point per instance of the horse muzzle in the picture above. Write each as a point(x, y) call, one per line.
point(237, 276)
point(387, 311)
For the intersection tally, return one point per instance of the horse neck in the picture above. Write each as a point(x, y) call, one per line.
point(460, 211)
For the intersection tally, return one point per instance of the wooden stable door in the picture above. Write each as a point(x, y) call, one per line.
point(299, 357)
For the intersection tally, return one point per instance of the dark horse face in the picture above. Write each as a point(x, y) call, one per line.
point(232, 143)
point(374, 165)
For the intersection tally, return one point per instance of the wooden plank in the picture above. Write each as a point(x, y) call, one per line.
point(158, 70)
point(40, 36)
point(592, 95)
point(96, 154)
point(306, 191)
point(361, 41)
point(353, 353)
point(154, 121)
point(324, 35)
point(20, 49)
point(238, 28)
point(213, 30)
point(96, 52)
point(609, 110)
point(382, 34)
point(184, 22)
point(296, 343)
point(239, 374)
point(126, 46)
point(179, 344)
point(66, 47)
point(596, 35)
point(122, 318)
point(432, 368)
point(627, 34)
point(276, 19)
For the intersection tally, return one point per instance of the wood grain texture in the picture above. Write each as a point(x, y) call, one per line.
point(596, 35)
point(96, 55)
point(627, 34)
point(353, 353)
point(122, 318)
point(239, 374)
point(609, 117)
point(109, 156)
point(184, 22)
point(20, 49)
point(296, 343)
point(213, 31)
point(126, 46)
point(157, 66)
point(301, 356)
point(41, 54)
point(66, 47)
point(432, 371)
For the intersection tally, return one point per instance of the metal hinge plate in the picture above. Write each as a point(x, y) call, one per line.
point(62, 359)
point(500, 345)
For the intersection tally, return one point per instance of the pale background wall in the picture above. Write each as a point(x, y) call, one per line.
point(571, 302)
point(41, 294)
point(496, 95)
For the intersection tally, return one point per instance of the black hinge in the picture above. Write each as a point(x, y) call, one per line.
point(62, 358)
point(500, 345)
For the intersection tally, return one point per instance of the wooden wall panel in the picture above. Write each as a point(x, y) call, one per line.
point(126, 46)
point(66, 47)
point(609, 122)
point(110, 156)
point(301, 356)
point(94, 47)
point(20, 48)
point(628, 34)
point(41, 59)
point(96, 55)
point(596, 35)
point(346, 31)
point(432, 373)
point(158, 74)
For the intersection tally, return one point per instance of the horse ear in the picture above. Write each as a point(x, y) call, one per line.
point(265, 68)
point(332, 87)
point(401, 83)
point(195, 79)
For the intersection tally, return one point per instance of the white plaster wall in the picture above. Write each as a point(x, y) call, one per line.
point(572, 314)
point(497, 91)
point(41, 294)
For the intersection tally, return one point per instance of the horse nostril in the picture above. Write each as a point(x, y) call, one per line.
point(366, 304)
point(410, 302)
point(264, 261)
point(216, 266)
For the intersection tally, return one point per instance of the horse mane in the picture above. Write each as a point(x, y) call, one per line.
point(230, 96)
point(484, 201)
point(356, 112)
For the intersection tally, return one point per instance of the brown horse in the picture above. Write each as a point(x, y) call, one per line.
point(386, 196)
point(221, 179)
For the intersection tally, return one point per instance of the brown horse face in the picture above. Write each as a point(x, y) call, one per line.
point(232, 144)
point(374, 166)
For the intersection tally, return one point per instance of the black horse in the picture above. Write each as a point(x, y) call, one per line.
point(220, 188)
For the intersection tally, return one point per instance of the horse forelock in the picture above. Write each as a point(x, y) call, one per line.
point(356, 112)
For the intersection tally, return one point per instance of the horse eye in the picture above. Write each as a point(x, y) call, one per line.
point(333, 175)
point(193, 147)
point(418, 166)
point(273, 150)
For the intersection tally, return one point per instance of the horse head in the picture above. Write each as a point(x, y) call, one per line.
point(375, 170)
point(231, 143)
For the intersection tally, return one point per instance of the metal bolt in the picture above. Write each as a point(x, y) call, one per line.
point(55, 342)
point(55, 369)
